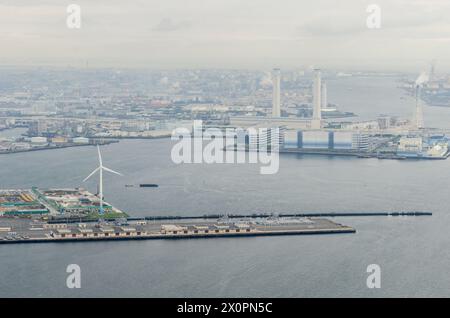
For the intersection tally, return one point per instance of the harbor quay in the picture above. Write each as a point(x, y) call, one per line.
point(61, 215)
point(75, 215)
point(32, 230)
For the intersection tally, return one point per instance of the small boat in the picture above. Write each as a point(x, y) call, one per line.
point(148, 185)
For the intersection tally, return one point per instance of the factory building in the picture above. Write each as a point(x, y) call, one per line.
point(410, 144)
point(320, 139)
point(433, 147)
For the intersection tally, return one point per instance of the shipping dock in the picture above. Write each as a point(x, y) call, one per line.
point(24, 230)
point(72, 215)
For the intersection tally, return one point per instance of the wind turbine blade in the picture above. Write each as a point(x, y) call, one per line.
point(112, 171)
point(99, 156)
point(92, 173)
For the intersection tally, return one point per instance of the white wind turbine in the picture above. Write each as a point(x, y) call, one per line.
point(100, 170)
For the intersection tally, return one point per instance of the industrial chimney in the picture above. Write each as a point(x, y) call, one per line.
point(316, 122)
point(420, 81)
point(419, 111)
point(276, 76)
point(324, 96)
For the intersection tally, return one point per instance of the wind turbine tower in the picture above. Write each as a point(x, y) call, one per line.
point(100, 169)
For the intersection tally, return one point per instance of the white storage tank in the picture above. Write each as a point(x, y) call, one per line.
point(38, 140)
point(80, 140)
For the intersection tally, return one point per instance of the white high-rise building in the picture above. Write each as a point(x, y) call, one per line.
point(276, 78)
point(316, 122)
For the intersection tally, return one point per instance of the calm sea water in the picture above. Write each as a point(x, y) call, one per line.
point(412, 252)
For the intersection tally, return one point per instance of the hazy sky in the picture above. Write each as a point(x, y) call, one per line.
point(227, 33)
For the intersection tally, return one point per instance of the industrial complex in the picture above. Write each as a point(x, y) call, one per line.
point(20, 202)
point(53, 203)
point(384, 138)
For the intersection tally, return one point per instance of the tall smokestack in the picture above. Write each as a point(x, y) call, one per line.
point(418, 118)
point(419, 111)
point(317, 105)
point(432, 69)
point(276, 77)
point(324, 96)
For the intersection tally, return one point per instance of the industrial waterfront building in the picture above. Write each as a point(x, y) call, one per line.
point(20, 202)
point(76, 202)
point(266, 138)
point(432, 147)
point(70, 201)
point(321, 139)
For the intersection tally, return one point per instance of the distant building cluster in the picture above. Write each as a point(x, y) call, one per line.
point(62, 108)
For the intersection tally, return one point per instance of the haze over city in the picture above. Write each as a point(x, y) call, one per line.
point(227, 34)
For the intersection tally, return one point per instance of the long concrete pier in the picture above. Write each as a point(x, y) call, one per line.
point(35, 230)
point(24, 231)
point(301, 215)
point(256, 215)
